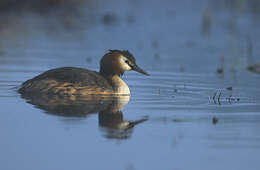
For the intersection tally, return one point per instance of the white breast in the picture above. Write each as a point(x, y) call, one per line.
point(123, 88)
point(120, 86)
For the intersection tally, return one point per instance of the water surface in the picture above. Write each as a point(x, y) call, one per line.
point(181, 117)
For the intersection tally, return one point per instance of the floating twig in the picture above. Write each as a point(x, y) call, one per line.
point(230, 88)
point(214, 96)
point(219, 97)
point(214, 120)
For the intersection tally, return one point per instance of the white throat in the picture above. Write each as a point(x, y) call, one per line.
point(120, 86)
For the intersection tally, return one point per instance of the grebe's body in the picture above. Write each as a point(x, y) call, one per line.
point(77, 81)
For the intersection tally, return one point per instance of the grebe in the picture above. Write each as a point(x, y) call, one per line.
point(68, 81)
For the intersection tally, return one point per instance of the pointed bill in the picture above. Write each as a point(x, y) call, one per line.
point(138, 69)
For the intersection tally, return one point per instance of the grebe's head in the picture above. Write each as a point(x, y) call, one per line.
point(117, 62)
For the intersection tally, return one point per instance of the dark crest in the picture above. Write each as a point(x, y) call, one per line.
point(125, 53)
point(106, 66)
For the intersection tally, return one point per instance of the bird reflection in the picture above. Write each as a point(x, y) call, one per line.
point(111, 122)
point(113, 125)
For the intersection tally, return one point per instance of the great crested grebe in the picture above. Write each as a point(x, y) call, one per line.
point(67, 81)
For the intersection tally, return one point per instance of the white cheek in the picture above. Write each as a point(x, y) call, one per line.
point(124, 66)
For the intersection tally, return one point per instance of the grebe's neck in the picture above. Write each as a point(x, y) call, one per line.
point(118, 85)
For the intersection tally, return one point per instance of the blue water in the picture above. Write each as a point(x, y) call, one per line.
point(190, 119)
